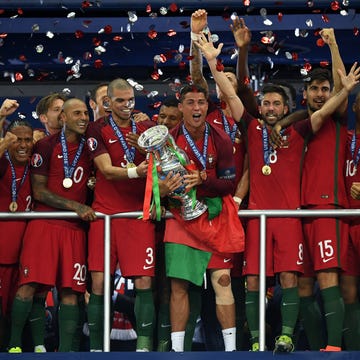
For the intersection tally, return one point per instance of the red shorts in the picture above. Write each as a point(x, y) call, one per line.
point(10, 250)
point(284, 246)
point(132, 246)
point(9, 275)
point(54, 255)
point(220, 261)
point(353, 252)
point(326, 242)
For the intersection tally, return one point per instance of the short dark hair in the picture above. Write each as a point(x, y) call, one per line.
point(92, 92)
point(191, 88)
point(18, 122)
point(170, 101)
point(319, 74)
point(272, 88)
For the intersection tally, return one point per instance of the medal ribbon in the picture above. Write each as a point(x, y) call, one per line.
point(188, 167)
point(152, 187)
point(266, 147)
point(231, 132)
point(129, 153)
point(353, 148)
point(14, 190)
point(69, 169)
point(190, 141)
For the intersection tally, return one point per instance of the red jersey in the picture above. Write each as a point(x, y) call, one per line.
point(220, 167)
point(111, 197)
point(323, 180)
point(281, 188)
point(11, 233)
point(217, 118)
point(47, 160)
point(352, 169)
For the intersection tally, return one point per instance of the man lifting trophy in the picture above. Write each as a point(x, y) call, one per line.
point(168, 157)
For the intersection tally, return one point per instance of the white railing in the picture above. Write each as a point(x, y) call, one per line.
point(262, 214)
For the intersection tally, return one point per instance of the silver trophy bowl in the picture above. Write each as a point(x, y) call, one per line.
point(155, 140)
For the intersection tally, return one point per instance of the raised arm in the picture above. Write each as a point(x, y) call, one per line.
point(7, 108)
point(242, 37)
point(348, 83)
point(328, 35)
point(198, 23)
point(211, 53)
point(5, 142)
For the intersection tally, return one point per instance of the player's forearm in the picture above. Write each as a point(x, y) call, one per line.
point(330, 106)
point(218, 187)
point(245, 91)
point(196, 67)
point(49, 198)
point(243, 186)
point(118, 173)
point(337, 63)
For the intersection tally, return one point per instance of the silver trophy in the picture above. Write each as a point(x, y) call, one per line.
point(155, 140)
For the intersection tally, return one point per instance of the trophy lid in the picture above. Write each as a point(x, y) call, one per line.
point(153, 137)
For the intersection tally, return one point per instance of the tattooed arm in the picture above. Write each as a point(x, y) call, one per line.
point(44, 195)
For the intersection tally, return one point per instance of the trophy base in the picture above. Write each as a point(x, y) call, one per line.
point(193, 213)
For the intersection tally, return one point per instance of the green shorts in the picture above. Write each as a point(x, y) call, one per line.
point(185, 262)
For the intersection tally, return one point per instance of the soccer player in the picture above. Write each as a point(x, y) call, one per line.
point(220, 116)
point(121, 169)
point(213, 177)
point(99, 101)
point(326, 239)
point(15, 195)
point(60, 168)
point(48, 111)
point(350, 277)
point(269, 170)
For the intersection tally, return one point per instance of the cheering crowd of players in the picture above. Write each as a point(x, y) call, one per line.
point(242, 155)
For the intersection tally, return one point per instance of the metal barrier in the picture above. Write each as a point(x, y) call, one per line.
point(262, 214)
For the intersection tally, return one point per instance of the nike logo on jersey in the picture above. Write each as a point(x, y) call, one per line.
point(111, 141)
point(327, 260)
point(80, 283)
point(258, 127)
point(216, 121)
point(299, 262)
point(147, 267)
point(60, 156)
point(227, 260)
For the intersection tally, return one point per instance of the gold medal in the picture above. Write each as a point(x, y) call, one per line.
point(13, 206)
point(266, 170)
point(130, 165)
point(67, 183)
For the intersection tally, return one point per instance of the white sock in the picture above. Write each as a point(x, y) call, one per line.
point(177, 341)
point(229, 336)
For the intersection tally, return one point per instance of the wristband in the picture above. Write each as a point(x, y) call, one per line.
point(237, 200)
point(195, 37)
point(132, 173)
